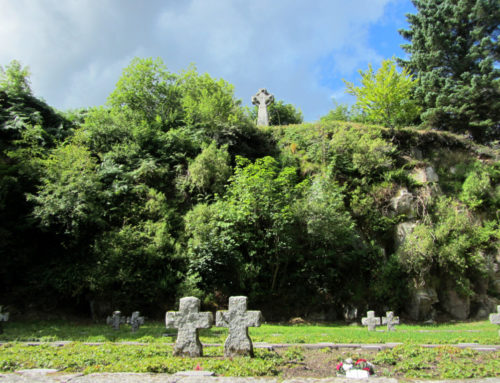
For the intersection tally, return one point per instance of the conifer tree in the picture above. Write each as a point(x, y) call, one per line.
point(454, 52)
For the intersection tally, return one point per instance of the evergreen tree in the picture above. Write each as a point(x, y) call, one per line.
point(454, 52)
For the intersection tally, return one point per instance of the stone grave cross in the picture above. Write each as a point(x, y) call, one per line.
point(390, 320)
point(115, 320)
point(4, 317)
point(263, 99)
point(371, 321)
point(188, 320)
point(495, 318)
point(135, 321)
point(238, 319)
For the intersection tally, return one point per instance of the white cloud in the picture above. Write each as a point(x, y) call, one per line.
point(76, 49)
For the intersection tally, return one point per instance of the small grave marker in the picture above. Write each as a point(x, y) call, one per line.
point(495, 318)
point(390, 320)
point(263, 99)
point(4, 317)
point(116, 320)
point(188, 320)
point(135, 321)
point(371, 321)
point(238, 319)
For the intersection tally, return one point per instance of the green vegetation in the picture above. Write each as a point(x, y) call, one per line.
point(385, 96)
point(169, 189)
point(453, 52)
point(155, 332)
point(444, 362)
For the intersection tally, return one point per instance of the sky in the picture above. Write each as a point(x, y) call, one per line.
point(299, 50)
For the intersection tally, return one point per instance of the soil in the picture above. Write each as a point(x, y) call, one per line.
point(322, 363)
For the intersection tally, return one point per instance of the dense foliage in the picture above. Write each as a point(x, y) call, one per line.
point(385, 96)
point(454, 53)
point(170, 190)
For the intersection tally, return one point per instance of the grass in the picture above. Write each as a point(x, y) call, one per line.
point(481, 332)
point(406, 361)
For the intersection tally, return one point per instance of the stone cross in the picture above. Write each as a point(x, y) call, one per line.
point(263, 99)
point(495, 318)
point(4, 317)
point(371, 320)
point(135, 321)
point(390, 320)
point(188, 320)
point(238, 319)
point(115, 320)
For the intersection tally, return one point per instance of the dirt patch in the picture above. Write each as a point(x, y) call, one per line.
point(322, 363)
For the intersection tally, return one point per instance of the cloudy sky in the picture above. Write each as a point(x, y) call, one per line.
point(300, 50)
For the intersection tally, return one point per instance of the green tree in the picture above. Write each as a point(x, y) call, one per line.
point(385, 96)
point(454, 53)
point(147, 91)
point(14, 78)
point(210, 170)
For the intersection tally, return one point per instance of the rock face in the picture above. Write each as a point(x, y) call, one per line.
point(403, 229)
point(238, 319)
point(403, 203)
point(424, 175)
point(188, 320)
point(420, 306)
point(454, 304)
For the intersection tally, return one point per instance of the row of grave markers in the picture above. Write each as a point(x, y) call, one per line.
point(188, 320)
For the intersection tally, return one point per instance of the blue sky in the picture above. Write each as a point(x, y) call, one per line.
point(300, 50)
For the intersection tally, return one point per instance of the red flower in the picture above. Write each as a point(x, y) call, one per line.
point(360, 360)
point(339, 366)
point(197, 368)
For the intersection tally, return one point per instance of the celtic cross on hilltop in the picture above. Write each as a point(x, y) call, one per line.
point(263, 99)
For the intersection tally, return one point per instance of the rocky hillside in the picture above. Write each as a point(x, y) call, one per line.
point(427, 200)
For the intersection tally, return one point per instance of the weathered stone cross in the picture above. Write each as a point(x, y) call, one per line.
point(188, 320)
point(238, 319)
point(4, 317)
point(371, 320)
point(495, 318)
point(263, 99)
point(115, 320)
point(390, 320)
point(135, 321)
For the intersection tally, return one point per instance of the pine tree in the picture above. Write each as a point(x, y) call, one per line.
point(454, 52)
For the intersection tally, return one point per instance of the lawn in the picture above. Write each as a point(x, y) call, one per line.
point(406, 361)
point(481, 332)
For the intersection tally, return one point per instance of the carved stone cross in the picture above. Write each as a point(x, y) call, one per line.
point(263, 99)
point(238, 319)
point(390, 320)
point(115, 320)
point(371, 320)
point(4, 317)
point(495, 318)
point(188, 320)
point(135, 321)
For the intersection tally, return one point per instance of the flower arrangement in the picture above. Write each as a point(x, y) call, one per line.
point(350, 369)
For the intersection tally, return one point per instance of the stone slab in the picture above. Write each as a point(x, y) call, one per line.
point(195, 373)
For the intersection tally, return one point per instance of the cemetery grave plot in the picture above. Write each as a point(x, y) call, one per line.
point(403, 361)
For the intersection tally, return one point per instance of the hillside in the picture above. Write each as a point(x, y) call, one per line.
point(426, 201)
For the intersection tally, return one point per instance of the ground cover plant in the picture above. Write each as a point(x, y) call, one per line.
point(403, 361)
